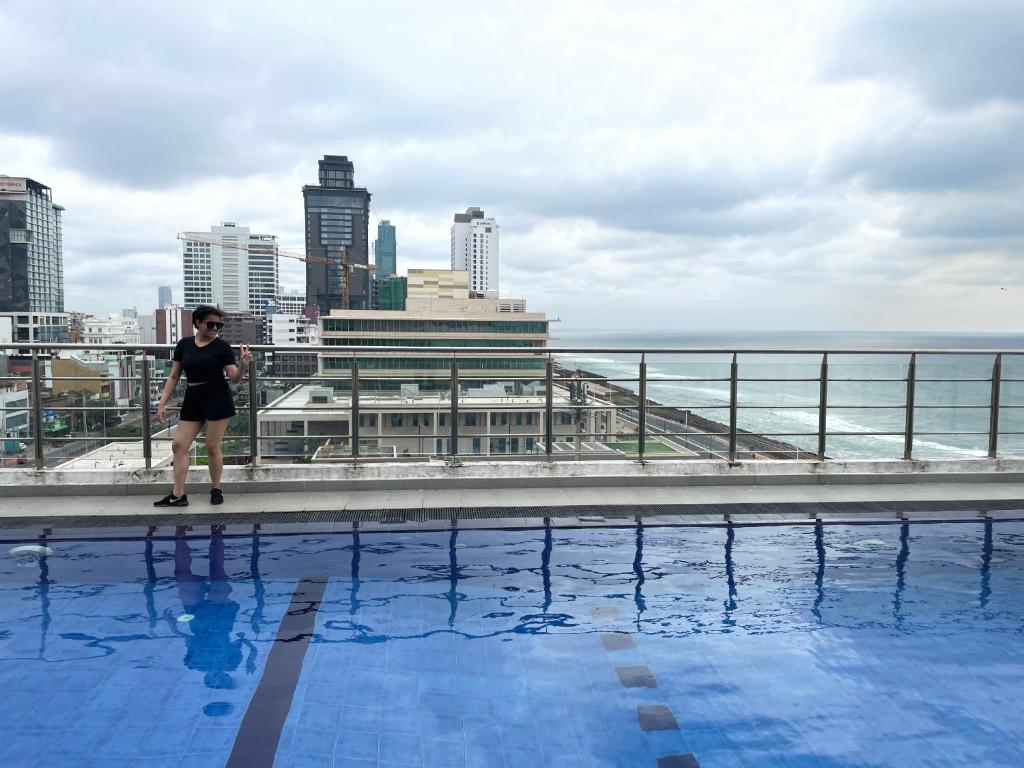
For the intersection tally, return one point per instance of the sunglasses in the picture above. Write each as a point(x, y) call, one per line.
point(212, 325)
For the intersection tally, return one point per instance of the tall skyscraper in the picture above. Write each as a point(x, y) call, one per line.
point(164, 295)
point(385, 250)
point(31, 248)
point(475, 250)
point(230, 268)
point(337, 217)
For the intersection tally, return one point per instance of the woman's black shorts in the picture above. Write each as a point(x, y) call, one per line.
point(207, 402)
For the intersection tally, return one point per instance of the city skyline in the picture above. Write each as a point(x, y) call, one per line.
point(806, 166)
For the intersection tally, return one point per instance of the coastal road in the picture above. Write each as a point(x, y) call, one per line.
point(746, 443)
point(717, 447)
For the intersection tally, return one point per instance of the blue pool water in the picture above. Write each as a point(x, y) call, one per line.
point(783, 646)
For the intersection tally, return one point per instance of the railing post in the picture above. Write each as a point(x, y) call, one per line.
point(147, 421)
point(733, 391)
point(993, 422)
point(37, 413)
point(454, 440)
point(549, 407)
point(253, 431)
point(354, 430)
point(642, 414)
point(823, 406)
point(908, 432)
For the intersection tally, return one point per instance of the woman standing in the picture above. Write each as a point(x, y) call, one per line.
point(205, 358)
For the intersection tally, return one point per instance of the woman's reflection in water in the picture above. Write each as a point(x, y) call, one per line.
point(209, 646)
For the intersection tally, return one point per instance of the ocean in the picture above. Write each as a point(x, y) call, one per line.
point(866, 419)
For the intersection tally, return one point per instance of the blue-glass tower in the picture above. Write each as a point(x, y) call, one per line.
point(386, 250)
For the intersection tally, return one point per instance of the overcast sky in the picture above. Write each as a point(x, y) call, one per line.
point(697, 165)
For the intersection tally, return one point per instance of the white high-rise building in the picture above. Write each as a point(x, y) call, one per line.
point(230, 268)
point(291, 302)
point(475, 250)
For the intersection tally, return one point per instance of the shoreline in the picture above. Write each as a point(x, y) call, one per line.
point(747, 442)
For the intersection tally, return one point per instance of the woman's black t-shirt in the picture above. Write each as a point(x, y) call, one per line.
point(203, 365)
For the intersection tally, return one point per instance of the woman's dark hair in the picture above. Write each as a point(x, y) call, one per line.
point(203, 311)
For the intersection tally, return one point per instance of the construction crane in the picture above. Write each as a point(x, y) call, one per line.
point(346, 268)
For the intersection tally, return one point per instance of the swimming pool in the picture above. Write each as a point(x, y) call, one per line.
point(887, 645)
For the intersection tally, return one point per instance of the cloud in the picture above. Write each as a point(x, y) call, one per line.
point(956, 54)
point(725, 166)
point(938, 151)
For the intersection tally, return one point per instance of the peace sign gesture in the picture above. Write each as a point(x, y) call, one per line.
point(246, 355)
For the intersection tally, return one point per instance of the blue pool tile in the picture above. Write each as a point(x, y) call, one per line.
point(366, 719)
point(156, 762)
point(324, 693)
point(301, 760)
point(556, 758)
point(204, 760)
point(319, 716)
point(520, 736)
point(311, 741)
point(347, 762)
point(402, 720)
point(521, 757)
point(441, 725)
point(440, 702)
point(400, 748)
point(357, 744)
point(438, 753)
point(212, 739)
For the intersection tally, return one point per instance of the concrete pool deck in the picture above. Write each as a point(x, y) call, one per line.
point(519, 507)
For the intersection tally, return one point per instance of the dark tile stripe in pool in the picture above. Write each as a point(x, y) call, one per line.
point(651, 717)
point(617, 641)
point(678, 761)
point(656, 717)
point(636, 677)
point(258, 736)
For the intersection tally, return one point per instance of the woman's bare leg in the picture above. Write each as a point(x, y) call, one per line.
point(214, 454)
point(184, 435)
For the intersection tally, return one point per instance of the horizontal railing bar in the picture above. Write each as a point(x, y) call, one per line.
point(93, 378)
point(741, 379)
point(693, 380)
point(835, 380)
point(955, 381)
point(900, 407)
point(866, 434)
point(122, 408)
point(526, 351)
point(951, 407)
point(939, 434)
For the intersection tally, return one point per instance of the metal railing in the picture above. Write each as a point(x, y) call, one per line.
point(676, 426)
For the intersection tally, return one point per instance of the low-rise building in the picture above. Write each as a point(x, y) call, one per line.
point(426, 323)
point(14, 415)
point(34, 327)
point(496, 420)
point(114, 329)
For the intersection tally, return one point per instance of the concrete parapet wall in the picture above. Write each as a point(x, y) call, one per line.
point(372, 476)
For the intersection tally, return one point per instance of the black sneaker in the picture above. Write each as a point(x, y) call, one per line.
point(216, 496)
point(170, 500)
